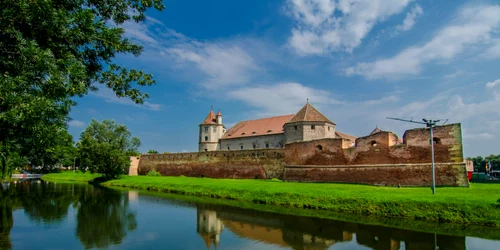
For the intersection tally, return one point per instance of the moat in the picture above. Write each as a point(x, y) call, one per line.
point(41, 215)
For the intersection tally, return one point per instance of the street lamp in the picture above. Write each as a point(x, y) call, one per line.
point(430, 124)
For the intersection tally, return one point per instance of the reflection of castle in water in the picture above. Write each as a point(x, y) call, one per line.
point(307, 233)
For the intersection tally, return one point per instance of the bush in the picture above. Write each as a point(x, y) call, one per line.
point(153, 173)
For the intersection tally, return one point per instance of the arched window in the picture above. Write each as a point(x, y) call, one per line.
point(319, 147)
point(373, 143)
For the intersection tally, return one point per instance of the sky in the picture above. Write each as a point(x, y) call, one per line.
point(357, 61)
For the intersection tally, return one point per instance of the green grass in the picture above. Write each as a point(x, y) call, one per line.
point(474, 205)
point(70, 176)
point(455, 229)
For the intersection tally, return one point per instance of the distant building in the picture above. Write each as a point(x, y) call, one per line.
point(272, 132)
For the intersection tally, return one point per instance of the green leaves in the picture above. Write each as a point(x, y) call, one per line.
point(106, 147)
point(52, 51)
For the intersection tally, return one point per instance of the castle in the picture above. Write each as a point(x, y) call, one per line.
point(273, 132)
point(306, 147)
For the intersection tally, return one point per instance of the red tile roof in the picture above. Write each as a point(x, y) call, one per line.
point(210, 118)
point(219, 114)
point(309, 114)
point(265, 126)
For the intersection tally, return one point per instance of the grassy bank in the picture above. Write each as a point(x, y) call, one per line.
point(455, 229)
point(475, 205)
point(70, 176)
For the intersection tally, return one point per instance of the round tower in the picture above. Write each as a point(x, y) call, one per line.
point(211, 130)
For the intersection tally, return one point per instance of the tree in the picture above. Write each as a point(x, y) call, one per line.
point(52, 51)
point(480, 162)
point(152, 152)
point(106, 148)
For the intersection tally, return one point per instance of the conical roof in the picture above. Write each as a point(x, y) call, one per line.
point(210, 118)
point(218, 113)
point(376, 130)
point(308, 113)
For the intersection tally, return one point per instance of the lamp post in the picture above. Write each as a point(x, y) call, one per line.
point(430, 124)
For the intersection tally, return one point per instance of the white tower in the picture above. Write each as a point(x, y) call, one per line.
point(211, 130)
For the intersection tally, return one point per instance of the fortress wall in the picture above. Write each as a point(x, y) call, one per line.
point(447, 174)
point(241, 164)
point(380, 148)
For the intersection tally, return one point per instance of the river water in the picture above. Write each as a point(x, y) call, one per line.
point(41, 215)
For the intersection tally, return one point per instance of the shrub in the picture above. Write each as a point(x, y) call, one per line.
point(153, 173)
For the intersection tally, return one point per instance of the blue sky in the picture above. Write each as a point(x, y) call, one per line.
point(357, 62)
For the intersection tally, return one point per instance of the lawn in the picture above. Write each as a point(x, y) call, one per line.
point(474, 205)
point(70, 176)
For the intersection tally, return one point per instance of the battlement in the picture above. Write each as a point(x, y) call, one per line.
point(383, 147)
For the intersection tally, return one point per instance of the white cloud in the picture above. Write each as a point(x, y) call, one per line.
point(221, 64)
point(281, 98)
point(109, 96)
point(211, 64)
point(493, 84)
point(327, 25)
point(76, 123)
point(411, 18)
point(474, 25)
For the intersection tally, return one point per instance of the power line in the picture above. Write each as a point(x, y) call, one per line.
point(430, 124)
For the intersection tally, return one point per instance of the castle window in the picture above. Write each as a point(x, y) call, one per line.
point(206, 150)
point(328, 128)
point(215, 129)
point(436, 140)
point(228, 148)
point(373, 143)
point(241, 146)
point(206, 129)
point(319, 147)
point(267, 145)
point(295, 127)
point(313, 127)
point(254, 146)
point(206, 138)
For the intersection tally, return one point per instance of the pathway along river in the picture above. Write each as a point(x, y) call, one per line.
point(40, 215)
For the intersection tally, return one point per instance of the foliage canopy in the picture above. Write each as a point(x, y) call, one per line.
point(106, 148)
point(52, 51)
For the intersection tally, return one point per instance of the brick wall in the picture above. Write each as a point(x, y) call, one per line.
point(447, 174)
point(260, 163)
point(380, 148)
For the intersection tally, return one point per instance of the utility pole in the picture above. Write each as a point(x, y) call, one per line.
point(430, 124)
point(74, 165)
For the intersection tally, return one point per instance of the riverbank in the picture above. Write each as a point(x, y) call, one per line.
point(474, 205)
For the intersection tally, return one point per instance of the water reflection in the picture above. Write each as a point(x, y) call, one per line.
point(311, 233)
point(103, 215)
point(97, 217)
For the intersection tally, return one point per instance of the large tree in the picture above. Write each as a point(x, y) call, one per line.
point(106, 148)
point(53, 50)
